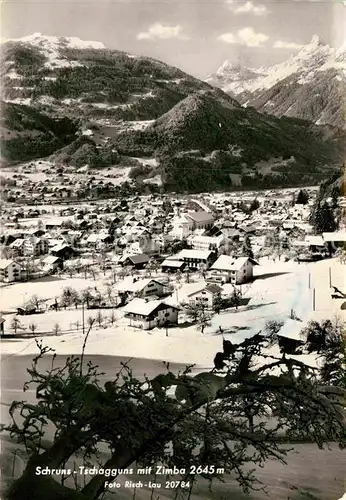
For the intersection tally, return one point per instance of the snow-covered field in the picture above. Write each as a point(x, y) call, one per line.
point(118, 175)
point(13, 295)
point(279, 288)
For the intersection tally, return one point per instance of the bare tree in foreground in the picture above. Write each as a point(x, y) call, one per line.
point(217, 418)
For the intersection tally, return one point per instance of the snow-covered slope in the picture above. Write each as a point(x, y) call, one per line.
point(308, 85)
point(52, 47)
point(77, 77)
point(103, 90)
point(314, 57)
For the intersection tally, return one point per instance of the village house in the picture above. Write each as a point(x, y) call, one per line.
point(37, 232)
point(157, 243)
point(196, 259)
point(230, 232)
point(17, 247)
point(206, 296)
point(139, 234)
point(51, 263)
point(233, 270)
point(134, 249)
point(142, 288)
point(56, 241)
point(205, 242)
point(10, 270)
point(172, 265)
point(34, 246)
point(63, 251)
point(316, 243)
point(136, 261)
point(148, 314)
point(53, 224)
point(98, 240)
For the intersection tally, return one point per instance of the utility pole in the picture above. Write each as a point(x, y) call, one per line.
point(314, 300)
point(83, 318)
point(330, 277)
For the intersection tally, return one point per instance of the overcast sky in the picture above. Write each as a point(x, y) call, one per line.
point(195, 35)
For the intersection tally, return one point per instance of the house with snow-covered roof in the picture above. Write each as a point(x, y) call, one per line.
point(147, 314)
point(206, 296)
point(51, 263)
point(235, 270)
point(171, 264)
point(17, 247)
point(201, 242)
point(196, 259)
point(10, 270)
point(138, 261)
point(141, 287)
point(35, 246)
point(63, 251)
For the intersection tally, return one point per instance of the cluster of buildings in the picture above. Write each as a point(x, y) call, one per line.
point(177, 233)
point(42, 181)
point(220, 236)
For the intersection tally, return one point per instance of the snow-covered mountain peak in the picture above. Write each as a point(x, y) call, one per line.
point(308, 85)
point(314, 52)
point(226, 67)
point(235, 76)
point(314, 56)
point(40, 40)
point(316, 41)
point(51, 47)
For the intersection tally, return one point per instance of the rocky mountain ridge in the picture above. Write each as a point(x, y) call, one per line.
point(309, 85)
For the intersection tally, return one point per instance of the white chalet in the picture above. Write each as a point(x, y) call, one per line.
point(206, 295)
point(51, 263)
point(233, 270)
point(205, 242)
point(142, 288)
point(10, 270)
point(148, 314)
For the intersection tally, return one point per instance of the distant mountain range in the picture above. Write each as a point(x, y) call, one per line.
point(58, 90)
point(310, 85)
